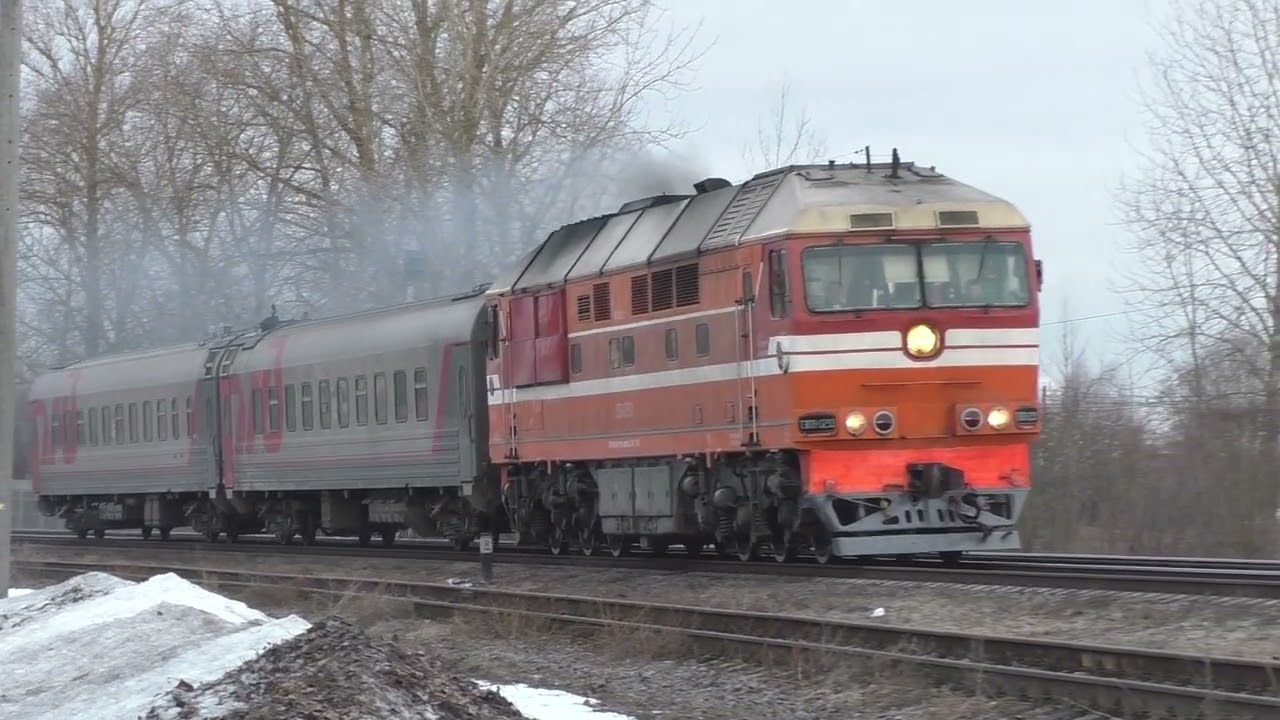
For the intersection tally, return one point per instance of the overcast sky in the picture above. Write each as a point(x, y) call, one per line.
point(1033, 101)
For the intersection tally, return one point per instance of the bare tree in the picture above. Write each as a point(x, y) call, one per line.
point(785, 136)
point(1206, 211)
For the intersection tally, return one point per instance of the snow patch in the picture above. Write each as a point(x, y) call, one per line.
point(97, 646)
point(18, 592)
point(544, 704)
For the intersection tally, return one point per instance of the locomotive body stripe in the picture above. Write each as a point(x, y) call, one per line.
point(807, 353)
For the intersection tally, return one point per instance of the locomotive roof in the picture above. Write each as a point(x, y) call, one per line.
point(806, 198)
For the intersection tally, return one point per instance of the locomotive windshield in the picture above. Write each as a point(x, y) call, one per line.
point(992, 273)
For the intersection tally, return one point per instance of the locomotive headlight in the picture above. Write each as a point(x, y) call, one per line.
point(998, 418)
point(922, 341)
point(855, 422)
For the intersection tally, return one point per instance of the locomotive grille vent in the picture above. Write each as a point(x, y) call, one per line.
point(871, 221)
point(639, 294)
point(584, 308)
point(602, 300)
point(958, 218)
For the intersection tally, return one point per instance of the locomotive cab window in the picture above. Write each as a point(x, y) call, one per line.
point(779, 292)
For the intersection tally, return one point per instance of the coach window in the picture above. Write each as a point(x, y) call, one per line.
point(380, 398)
point(273, 409)
point(308, 408)
point(420, 393)
point(575, 358)
point(290, 408)
point(673, 344)
point(702, 340)
point(400, 386)
point(628, 351)
point(55, 426)
point(362, 400)
point(81, 436)
point(162, 420)
point(344, 403)
point(615, 353)
point(133, 422)
point(93, 426)
point(120, 423)
point(326, 405)
point(107, 426)
point(173, 417)
point(146, 420)
point(256, 401)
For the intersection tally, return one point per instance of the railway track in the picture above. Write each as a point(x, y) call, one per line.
point(1127, 682)
point(1188, 577)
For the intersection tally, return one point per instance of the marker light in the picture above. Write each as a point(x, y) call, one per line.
point(855, 423)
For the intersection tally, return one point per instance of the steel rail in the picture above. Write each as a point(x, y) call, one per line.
point(1104, 678)
point(1178, 581)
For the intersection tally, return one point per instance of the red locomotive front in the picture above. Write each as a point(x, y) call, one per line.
point(835, 359)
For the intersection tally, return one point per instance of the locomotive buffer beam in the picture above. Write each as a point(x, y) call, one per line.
point(933, 480)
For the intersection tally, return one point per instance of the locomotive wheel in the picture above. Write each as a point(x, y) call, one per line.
point(745, 547)
point(284, 536)
point(619, 545)
point(658, 548)
point(146, 532)
point(558, 543)
point(951, 558)
point(164, 532)
point(693, 548)
point(784, 546)
point(99, 533)
point(365, 538)
point(588, 540)
point(82, 533)
point(233, 534)
point(388, 537)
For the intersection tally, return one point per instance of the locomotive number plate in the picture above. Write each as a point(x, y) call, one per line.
point(820, 424)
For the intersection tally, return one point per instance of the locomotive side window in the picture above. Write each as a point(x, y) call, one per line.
point(344, 403)
point(93, 426)
point(400, 387)
point(326, 403)
point(273, 409)
point(362, 400)
point(290, 408)
point(162, 420)
point(575, 358)
point(257, 412)
point(133, 422)
point(779, 293)
point(615, 353)
point(146, 420)
point(702, 340)
point(628, 351)
point(308, 416)
point(673, 344)
point(420, 392)
point(380, 398)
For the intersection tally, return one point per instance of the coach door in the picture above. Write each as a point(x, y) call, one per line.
point(216, 432)
point(466, 425)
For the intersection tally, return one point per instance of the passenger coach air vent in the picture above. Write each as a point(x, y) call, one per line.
point(958, 218)
point(871, 221)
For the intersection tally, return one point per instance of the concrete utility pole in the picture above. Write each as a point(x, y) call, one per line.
point(10, 131)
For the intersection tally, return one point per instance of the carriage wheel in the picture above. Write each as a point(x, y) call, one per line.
point(146, 532)
point(619, 545)
point(589, 540)
point(784, 546)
